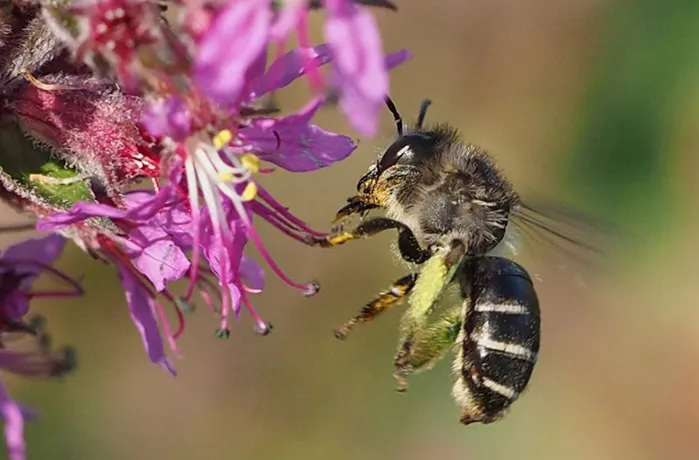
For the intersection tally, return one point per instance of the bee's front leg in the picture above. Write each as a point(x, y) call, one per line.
point(358, 204)
point(407, 243)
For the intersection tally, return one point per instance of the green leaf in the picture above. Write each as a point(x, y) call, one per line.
point(21, 159)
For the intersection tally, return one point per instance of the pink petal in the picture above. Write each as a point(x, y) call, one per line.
point(287, 18)
point(289, 67)
point(357, 52)
point(161, 262)
point(38, 250)
point(397, 58)
point(233, 43)
point(141, 309)
point(85, 209)
point(252, 274)
point(45, 250)
point(295, 145)
point(14, 426)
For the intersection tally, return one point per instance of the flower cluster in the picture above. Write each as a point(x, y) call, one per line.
point(140, 130)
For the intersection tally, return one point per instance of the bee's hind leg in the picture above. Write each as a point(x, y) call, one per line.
point(385, 300)
point(422, 342)
point(422, 349)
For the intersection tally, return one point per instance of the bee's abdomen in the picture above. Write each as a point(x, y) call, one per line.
point(500, 336)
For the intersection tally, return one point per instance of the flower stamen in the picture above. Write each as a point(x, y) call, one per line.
point(222, 139)
point(250, 191)
point(251, 162)
point(261, 327)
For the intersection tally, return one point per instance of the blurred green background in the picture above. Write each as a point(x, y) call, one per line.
point(593, 102)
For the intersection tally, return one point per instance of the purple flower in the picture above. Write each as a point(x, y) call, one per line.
point(156, 236)
point(20, 266)
point(203, 138)
point(158, 232)
point(159, 132)
point(163, 238)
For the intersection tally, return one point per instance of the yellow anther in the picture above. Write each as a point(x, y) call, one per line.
point(225, 176)
point(251, 162)
point(223, 138)
point(250, 191)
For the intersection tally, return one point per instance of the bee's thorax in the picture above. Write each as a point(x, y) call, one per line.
point(457, 193)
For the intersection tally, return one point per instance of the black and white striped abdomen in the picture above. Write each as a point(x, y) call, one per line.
point(499, 340)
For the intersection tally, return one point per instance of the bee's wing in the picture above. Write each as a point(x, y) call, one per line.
point(557, 235)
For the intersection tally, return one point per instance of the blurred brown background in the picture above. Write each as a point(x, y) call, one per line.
point(596, 102)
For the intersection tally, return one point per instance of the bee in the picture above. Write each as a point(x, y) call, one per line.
point(451, 207)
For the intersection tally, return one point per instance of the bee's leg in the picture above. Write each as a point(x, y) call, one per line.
point(435, 274)
point(407, 243)
point(381, 303)
point(426, 346)
point(355, 205)
point(422, 342)
point(366, 229)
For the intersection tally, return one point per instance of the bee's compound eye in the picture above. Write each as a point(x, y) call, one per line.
point(409, 150)
point(393, 154)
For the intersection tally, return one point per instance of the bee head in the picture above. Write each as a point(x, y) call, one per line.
point(409, 149)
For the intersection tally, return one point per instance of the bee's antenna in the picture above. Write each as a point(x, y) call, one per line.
point(396, 115)
point(423, 111)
